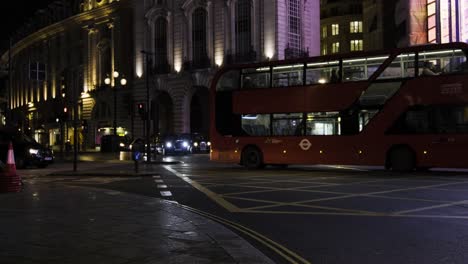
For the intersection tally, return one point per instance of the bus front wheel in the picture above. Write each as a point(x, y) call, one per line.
point(401, 159)
point(252, 158)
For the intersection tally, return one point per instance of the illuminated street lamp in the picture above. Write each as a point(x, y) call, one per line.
point(122, 82)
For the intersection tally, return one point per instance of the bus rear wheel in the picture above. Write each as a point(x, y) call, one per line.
point(252, 158)
point(401, 159)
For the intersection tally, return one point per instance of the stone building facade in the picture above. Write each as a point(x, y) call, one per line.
point(166, 50)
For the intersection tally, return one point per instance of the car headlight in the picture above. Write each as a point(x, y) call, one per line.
point(33, 151)
point(168, 145)
point(185, 144)
point(209, 143)
point(122, 145)
point(195, 144)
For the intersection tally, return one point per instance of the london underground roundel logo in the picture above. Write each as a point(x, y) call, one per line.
point(305, 144)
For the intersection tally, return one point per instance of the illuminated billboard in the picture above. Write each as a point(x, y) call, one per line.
point(447, 21)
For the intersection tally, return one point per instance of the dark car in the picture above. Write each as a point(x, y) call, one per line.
point(27, 151)
point(174, 144)
point(200, 143)
point(114, 143)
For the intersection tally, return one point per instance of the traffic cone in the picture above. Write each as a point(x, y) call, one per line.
point(10, 181)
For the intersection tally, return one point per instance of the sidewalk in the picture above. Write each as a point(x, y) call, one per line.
point(58, 224)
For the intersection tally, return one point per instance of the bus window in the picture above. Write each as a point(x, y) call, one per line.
point(229, 81)
point(365, 116)
point(403, 66)
point(360, 69)
point(256, 125)
point(287, 124)
point(443, 61)
point(288, 75)
point(255, 78)
point(416, 120)
point(324, 123)
point(322, 72)
point(451, 119)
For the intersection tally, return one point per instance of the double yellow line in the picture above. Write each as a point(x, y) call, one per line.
point(287, 254)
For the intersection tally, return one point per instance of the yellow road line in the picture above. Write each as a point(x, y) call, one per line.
point(279, 249)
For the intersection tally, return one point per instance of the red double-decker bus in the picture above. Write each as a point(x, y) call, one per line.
point(404, 108)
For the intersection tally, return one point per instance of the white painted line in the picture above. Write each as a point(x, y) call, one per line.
point(165, 193)
point(159, 181)
point(430, 207)
point(157, 177)
point(214, 196)
point(162, 186)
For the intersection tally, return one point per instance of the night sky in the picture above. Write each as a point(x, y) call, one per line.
point(13, 16)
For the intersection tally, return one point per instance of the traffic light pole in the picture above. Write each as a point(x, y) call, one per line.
point(147, 72)
point(75, 121)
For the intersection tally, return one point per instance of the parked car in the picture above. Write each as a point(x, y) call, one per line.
point(27, 151)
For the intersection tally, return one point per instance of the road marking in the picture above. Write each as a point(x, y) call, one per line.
point(158, 181)
point(214, 196)
point(162, 186)
point(430, 207)
point(279, 249)
point(156, 176)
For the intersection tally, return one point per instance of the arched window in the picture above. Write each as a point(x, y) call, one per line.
point(199, 35)
point(104, 60)
point(243, 27)
point(160, 44)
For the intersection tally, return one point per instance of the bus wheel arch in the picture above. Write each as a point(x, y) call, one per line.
point(400, 158)
point(252, 157)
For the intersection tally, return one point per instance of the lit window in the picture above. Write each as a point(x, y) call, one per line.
point(356, 45)
point(335, 29)
point(335, 47)
point(355, 27)
point(324, 31)
point(324, 49)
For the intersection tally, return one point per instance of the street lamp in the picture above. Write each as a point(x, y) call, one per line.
point(123, 82)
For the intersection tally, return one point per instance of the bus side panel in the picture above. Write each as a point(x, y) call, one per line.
point(333, 97)
point(247, 101)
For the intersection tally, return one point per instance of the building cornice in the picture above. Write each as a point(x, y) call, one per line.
point(80, 19)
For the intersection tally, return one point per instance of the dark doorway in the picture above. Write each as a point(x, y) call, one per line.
point(199, 111)
point(162, 114)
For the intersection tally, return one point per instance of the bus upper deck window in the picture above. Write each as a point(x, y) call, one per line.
point(255, 78)
point(403, 66)
point(360, 69)
point(288, 75)
point(322, 72)
point(229, 81)
point(443, 61)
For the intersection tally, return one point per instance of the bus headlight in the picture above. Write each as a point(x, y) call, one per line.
point(195, 144)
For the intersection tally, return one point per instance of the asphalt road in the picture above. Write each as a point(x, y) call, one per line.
point(320, 214)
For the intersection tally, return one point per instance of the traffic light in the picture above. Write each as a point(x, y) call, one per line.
point(142, 110)
point(65, 113)
point(63, 87)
